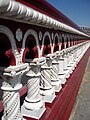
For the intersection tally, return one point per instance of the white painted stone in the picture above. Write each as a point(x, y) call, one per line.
point(62, 76)
point(55, 81)
point(33, 105)
point(11, 86)
point(46, 89)
point(17, 10)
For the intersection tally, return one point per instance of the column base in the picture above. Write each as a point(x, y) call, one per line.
point(62, 78)
point(67, 73)
point(48, 95)
point(70, 68)
point(73, 64)
point(21, 118)
point(56, 84)
point(35, 113)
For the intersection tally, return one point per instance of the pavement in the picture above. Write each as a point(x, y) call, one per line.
point(81, 109)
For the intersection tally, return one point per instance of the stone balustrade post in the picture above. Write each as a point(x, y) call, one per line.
point(79, 54)
point(84, 47)
point(75, 55)
point(46, 89)
point(33, 105)
point(71, 64)
point(67, 70)
point(11, 85)
point(61, 74)
point(55, 81)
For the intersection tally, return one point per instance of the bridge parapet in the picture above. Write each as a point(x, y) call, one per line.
point(35, 44)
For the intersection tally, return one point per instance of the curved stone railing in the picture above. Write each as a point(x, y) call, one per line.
point(21, 12)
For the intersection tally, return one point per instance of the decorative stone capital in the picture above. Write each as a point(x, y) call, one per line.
point(12, 75)
point(55, 58)
point(11, 85)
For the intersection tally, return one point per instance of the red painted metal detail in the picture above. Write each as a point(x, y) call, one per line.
point(10, 55)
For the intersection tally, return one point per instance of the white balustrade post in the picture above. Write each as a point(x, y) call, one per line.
point(80, 52)
point(46, 89)
point(61, 74)
point(84, 48)
point(33, 105)
point(76, 55)
point(67, 71)
point(71, 64)
point(11, 86)
point(55, 81)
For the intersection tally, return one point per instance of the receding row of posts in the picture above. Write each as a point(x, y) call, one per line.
point(46, 75)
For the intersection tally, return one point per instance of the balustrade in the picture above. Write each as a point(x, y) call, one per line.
point(45, 76)
point(43, 50)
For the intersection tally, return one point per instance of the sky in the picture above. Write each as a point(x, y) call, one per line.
point(77, 10)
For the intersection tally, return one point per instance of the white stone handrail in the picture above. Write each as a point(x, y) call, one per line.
point(19, 12)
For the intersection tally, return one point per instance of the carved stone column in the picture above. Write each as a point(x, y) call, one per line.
point(46, 89)
point(78, 54)
point(70, 64)
point(75, 54)
point(61, 74)
point(11, 86)
point(55, 81)
point(65, 68)
point(33, 105)
point(82, 50)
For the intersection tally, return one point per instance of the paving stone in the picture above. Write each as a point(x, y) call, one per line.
point(81, 109)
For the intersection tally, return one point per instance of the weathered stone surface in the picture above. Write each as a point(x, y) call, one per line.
point(81, 110)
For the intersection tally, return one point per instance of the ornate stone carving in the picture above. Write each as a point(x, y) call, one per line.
point(5, 30)
point(34, 33)
point(67, 70)
point(40, 36)
point(55, 81)
point(52, 36)
point(17, 10)
point(46, 90)
point(33, 105)
point(19, 34)
point(11, 87)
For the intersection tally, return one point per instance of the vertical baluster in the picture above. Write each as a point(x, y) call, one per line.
point(33, 105)
point(46, 90)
